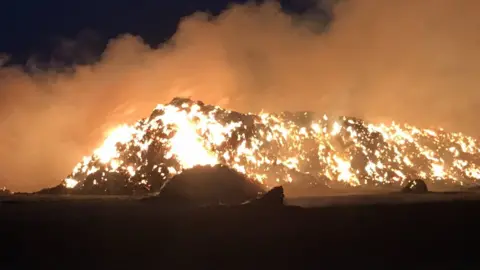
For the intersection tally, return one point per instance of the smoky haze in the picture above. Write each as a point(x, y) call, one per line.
point(403, 60)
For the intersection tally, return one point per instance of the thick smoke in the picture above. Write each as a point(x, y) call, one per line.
point(403, 60)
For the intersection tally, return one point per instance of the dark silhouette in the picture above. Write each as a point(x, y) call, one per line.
point(415, 186)
point(272, 198)
point(206, 185)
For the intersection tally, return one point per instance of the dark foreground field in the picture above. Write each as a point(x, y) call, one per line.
point(119, 233)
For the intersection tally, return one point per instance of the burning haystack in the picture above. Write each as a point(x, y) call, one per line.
point(272, 149)
point(5, 192)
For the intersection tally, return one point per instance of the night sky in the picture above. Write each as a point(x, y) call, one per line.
point(41, 29)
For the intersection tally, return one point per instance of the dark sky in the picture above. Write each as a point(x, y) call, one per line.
point(37, 28)
point(32, 27)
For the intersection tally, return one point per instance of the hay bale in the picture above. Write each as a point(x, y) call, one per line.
point(274, 197)
point(206, 185)
point(415, 186)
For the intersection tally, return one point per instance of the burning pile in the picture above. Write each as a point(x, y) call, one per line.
point(4, 192)
point(271, 149)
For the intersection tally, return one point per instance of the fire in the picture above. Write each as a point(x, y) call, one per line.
point(272, 148)
point(108, 150)
point(187, 146)
point(70, 183)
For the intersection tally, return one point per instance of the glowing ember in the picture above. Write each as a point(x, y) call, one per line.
point(272, 148)
point(70, 183)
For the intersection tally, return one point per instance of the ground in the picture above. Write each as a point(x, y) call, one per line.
point(433, 230)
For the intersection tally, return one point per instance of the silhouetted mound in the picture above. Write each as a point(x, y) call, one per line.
point(5, 192)
point(415, 186)
point(272, 198)
point(206, 185)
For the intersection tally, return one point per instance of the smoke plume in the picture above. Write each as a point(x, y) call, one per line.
point(403, 60)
